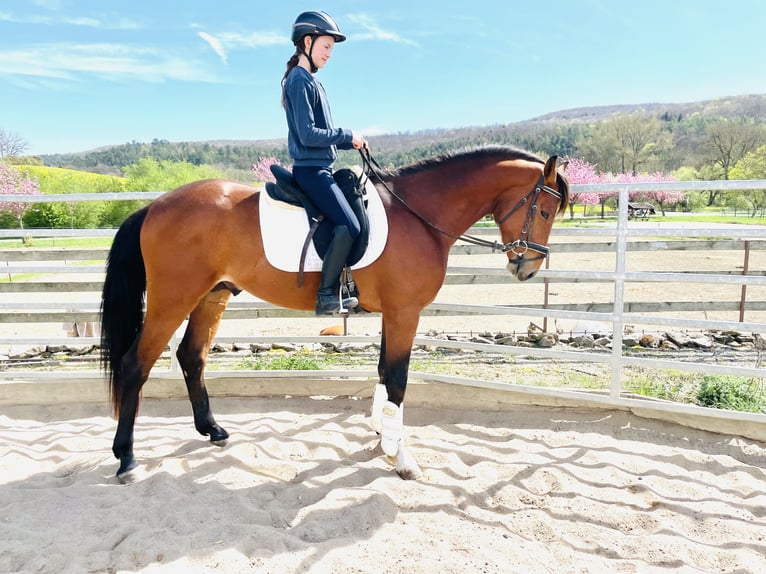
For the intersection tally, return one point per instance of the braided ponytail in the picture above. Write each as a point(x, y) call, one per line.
point(291, 63)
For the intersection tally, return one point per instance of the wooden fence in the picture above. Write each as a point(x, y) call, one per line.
point(60, 262)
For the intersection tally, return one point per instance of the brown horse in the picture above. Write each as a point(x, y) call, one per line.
point(190, 249)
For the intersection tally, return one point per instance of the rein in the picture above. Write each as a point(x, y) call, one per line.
point(518, 247)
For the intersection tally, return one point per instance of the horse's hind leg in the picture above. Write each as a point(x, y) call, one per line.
point(136, 366)
point(192, 356)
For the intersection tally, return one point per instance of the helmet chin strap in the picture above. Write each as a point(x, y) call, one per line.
point(314, 69)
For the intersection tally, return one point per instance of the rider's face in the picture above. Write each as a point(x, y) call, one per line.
point(322, 51)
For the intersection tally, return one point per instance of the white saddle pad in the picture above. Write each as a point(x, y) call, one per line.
point(284, 229)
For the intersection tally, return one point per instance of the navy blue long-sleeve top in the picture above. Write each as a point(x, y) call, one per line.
point(312, 140)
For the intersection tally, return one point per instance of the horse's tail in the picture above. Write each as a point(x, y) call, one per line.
point(122, 301)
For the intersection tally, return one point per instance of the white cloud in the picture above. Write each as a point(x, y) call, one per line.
point(107, 23)
point(226, 42)
point(83, 21)
point(111, 62)
point(215, 44)
point(374, 32)
point(253, 40)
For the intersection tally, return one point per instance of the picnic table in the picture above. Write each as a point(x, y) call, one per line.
point(640, 210)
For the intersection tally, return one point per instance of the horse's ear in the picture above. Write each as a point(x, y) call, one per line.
point(563, 164)
point(549, 171)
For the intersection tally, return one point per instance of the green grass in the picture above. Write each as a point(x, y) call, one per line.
point(669, 218)
point(732, 393)
point(70, 242)
point(676, 386)
point(715, 391)
point(284, 361)
point(730, 219)
point(17, 277)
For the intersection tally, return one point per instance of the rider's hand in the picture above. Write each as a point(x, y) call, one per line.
point(358, 141)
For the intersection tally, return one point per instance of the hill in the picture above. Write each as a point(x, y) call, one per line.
point(561, 133)
point(753, 105)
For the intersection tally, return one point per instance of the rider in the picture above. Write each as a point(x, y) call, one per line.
point(313, 143)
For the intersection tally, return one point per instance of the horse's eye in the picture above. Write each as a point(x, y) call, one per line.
point(544, 214)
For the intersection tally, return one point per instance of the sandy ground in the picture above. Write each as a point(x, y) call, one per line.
point(302, 486)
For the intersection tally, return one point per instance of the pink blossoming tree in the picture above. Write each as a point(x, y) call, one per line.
point(580, 171)
point(12, 181)
point(261, 171)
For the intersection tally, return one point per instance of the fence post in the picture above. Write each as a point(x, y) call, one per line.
point(545, 293)
point(743, 296)
point(619, 293)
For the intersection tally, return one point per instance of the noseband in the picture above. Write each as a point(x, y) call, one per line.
point(519, 247)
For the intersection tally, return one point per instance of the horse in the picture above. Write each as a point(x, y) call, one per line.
point(185, 254)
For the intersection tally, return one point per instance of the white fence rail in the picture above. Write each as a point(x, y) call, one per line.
point(724, 237)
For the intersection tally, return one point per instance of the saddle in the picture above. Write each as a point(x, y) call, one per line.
point(287, 190)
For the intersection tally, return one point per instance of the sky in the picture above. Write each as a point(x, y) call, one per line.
point(78, 75)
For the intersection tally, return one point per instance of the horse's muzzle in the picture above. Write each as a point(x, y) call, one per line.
point(522, 268)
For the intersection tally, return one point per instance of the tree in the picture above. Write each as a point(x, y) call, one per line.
point(729, 140)
point(12, 181)
point(752, 166)
point(662, 198)
point(601, 147)
point(625, 143)
point(262, 169)
point(11, 144)
point(58, 181)
point(580, 171)
point(148, 174)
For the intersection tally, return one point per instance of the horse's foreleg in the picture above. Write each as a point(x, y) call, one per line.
point(380, 394)
point(192, 357)
point(398, 334)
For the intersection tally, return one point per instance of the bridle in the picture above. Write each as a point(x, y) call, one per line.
point(519, 247)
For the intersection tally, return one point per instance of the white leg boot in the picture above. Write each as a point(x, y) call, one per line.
point(391, 436)
point(379, 398)
point(392, 442)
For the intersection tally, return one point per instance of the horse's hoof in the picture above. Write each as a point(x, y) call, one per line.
point(126, 474)
point(409, 473)
point(406, 465)
point(219, 437)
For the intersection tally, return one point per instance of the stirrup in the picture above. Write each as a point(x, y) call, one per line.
point(339, 306)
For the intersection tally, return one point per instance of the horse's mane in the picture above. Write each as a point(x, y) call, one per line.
point(505, 152)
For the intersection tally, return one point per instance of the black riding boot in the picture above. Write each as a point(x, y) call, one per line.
point(328, 300)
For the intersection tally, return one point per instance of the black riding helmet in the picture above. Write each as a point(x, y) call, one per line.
point(314, 23)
